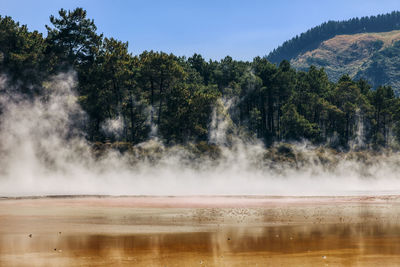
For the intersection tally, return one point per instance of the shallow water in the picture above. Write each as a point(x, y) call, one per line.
point(277, 232)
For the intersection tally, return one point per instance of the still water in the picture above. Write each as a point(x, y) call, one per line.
point(268, 232)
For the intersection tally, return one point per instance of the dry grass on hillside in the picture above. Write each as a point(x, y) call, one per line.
point(346, 53)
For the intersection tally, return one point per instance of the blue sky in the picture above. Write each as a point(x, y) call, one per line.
point(241, 29)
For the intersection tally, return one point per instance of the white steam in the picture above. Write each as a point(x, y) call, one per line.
point(220, 122)
point(113, 127)
point(43, 153)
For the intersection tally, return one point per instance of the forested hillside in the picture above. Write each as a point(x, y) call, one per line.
point(310, 39)
point(155, 94)
point(371, 56)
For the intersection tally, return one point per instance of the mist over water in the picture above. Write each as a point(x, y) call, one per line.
point(43, 152)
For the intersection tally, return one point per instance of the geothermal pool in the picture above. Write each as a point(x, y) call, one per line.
point(200, 231)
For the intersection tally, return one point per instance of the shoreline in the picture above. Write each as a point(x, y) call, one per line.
point(199, 201)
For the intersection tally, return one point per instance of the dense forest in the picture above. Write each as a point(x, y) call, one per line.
point(174, 98)
point(312, 38)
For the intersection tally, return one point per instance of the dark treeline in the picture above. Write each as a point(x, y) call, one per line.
point(173, 97)
point(312, 38)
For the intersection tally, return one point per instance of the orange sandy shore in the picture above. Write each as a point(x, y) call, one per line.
point(200, 231)
point(197, 201)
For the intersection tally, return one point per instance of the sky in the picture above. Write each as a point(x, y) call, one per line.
point(214, 28)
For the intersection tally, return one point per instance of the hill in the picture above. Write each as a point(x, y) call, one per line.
point(367, 47)
point(312, 38)
point(371, 56)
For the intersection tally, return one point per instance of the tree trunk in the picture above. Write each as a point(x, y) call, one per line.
point(160, 104)
point(271, 115)
point(152, 102)
point(132, 120)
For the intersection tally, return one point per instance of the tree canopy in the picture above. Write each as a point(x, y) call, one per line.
point(155, 94)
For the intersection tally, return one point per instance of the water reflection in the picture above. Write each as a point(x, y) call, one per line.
point(224, 244)
point(349, 234)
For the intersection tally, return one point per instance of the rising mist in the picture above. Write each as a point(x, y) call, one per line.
point(44, 152)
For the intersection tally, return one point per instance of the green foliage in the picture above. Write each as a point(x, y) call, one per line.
point(172, 98)
point(21, 54)
point(73, 40)
point(188, 112)
point(295, 126)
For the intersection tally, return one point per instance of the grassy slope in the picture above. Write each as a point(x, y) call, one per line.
point(373, 56)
